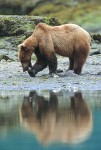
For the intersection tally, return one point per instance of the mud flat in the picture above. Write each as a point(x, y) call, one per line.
point(13, 78)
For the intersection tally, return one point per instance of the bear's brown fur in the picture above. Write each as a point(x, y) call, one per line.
point(67, 40)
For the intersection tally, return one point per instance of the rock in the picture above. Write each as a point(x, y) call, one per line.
point(96, 37)
point(3, 61)
point(4, 57)
point(18, 25)
point(95, 53)
point(99, 73)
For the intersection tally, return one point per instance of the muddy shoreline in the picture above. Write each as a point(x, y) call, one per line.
point(13, 78)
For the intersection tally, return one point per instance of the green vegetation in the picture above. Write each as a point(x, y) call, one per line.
point(88, 15)
point(14, 25)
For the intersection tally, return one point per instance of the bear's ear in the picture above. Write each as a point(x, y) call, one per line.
point(22, 47)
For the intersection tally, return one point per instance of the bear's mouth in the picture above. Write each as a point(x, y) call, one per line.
point(26, 67)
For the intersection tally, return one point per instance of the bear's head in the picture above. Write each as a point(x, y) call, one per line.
point(25, 51)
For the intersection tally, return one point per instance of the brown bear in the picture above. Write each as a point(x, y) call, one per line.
point(69, 40)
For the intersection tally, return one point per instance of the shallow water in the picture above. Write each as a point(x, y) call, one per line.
point(50, 120)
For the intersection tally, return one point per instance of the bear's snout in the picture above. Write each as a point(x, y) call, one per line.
point(25, 67)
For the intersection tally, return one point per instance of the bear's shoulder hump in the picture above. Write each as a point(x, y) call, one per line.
point(42, 26)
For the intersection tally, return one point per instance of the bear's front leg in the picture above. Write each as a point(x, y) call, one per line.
point(38, 66)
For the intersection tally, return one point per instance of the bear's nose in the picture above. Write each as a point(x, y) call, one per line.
point(25, 67)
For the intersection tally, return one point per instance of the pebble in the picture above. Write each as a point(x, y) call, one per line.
point(3, 61)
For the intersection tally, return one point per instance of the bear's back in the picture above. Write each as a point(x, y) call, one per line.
point(65, 29)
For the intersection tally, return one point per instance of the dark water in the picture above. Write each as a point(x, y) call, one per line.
point(51, 120)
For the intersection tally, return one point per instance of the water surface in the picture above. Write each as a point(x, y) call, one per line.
point(50, 120)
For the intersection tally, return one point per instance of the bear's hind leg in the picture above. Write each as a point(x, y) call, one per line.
point(71, 63)
point(77, 69)
point(52, 63)
point(79, 61)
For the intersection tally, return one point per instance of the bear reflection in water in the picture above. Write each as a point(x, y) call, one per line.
point(51, 122)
